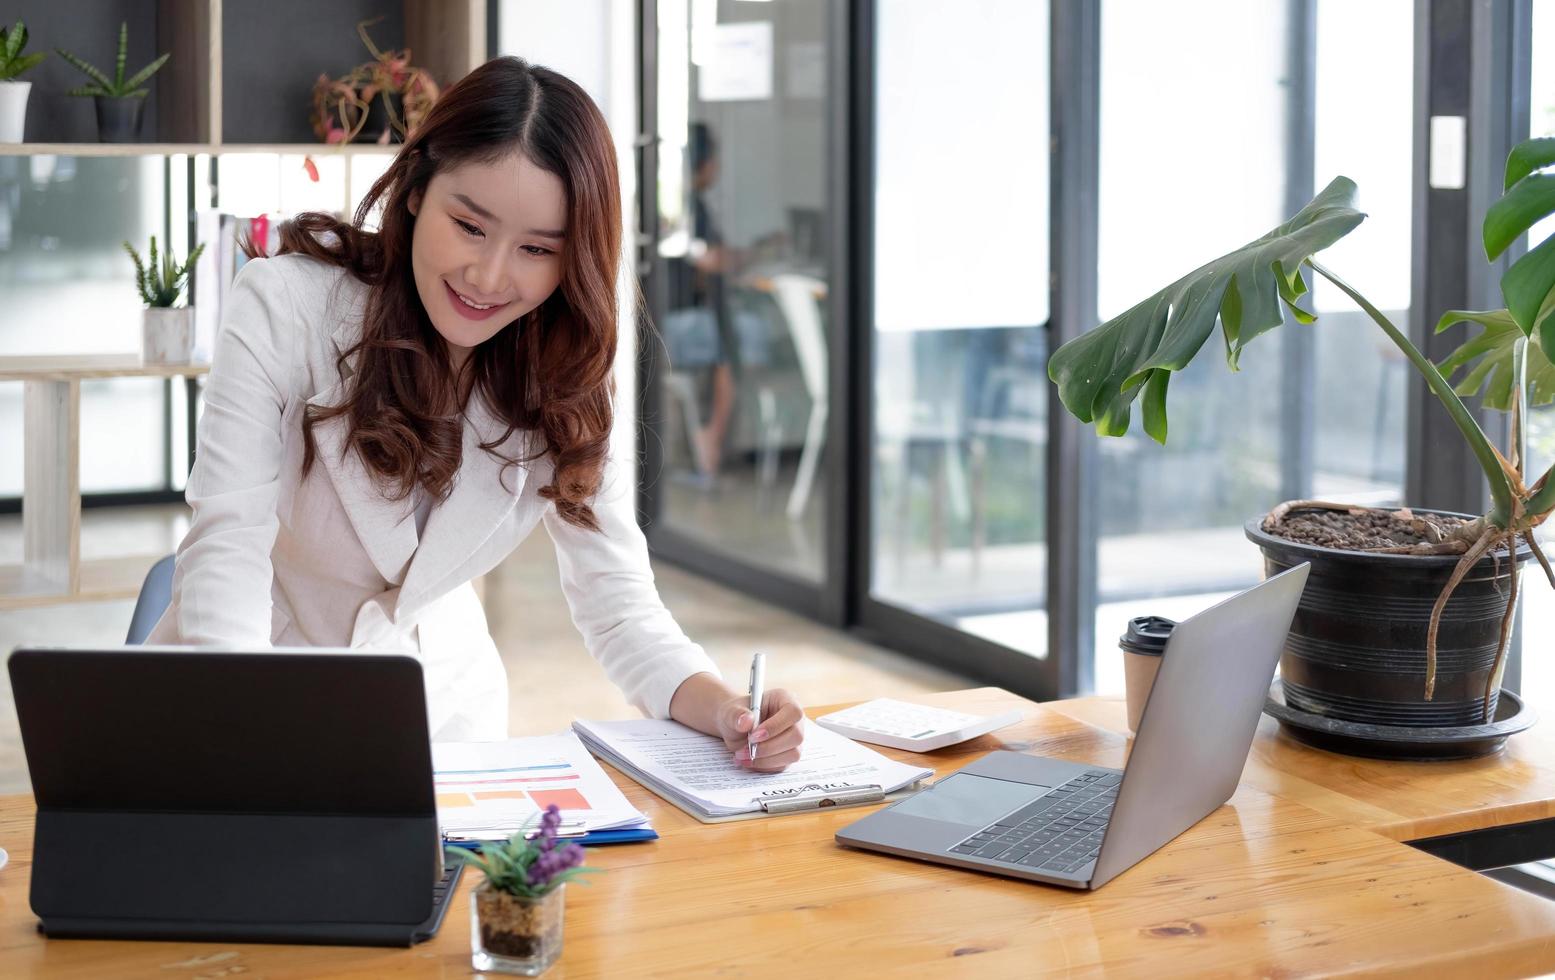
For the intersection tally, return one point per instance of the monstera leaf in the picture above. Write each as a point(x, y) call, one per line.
point(1100, 373)
point(1529, 198)
point(1493, 353)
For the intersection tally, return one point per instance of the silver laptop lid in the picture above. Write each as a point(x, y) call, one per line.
point(1199, 720)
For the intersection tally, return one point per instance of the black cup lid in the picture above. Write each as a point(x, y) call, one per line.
point(1147, 635)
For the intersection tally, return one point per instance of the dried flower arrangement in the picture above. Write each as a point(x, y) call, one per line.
point(341, 105)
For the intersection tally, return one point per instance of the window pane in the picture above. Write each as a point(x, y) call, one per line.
point(70, 289)
point(1171, 517)
point(1361, 376)
point(961, 299)
point(744, 212)
point(1192, 165)
point(1539, 604)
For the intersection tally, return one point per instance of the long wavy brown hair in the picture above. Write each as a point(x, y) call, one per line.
point(548, 373)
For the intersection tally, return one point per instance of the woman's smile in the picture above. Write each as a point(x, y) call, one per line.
point(467, 307)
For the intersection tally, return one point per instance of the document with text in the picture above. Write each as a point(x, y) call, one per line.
point(697, 772)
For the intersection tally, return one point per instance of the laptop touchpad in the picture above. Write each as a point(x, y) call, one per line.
point(972, 800)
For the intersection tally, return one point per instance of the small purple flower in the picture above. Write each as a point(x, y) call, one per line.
point(552, 860)
point(550, 823)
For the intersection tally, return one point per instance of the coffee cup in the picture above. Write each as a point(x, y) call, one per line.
point(1143, 644)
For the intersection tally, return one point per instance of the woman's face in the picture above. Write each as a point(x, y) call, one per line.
point(486, 247)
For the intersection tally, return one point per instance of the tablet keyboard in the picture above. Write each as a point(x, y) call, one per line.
point(1059, 833)
point(442, 893)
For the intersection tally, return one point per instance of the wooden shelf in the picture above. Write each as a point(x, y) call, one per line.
point(235, 72)
point(75, 367)
point(213, 149)
point(101, 579)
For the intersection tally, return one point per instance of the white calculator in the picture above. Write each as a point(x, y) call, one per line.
point(914, 727)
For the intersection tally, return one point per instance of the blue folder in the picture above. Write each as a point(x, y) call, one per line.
point(593, 837)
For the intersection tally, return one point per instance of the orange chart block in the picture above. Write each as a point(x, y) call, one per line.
point(567, 799)
point(501, 794)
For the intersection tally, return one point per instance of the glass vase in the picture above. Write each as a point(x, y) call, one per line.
point(515, 934)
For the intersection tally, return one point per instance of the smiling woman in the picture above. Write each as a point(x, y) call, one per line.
point(488, 267)
point(390, 412)
point(506, 167)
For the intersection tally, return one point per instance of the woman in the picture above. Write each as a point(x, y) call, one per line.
point(390, 413)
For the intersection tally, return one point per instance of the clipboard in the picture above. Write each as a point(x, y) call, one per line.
point(803, 799)
point(777, 806)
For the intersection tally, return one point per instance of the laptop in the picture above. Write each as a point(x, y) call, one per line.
point(202, 794)
point(1080, 826)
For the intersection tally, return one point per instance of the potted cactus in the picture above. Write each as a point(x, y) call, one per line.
point(119, 99)
point(516, 913)
point(1407, 614)
point(13, 91)
point(167, 332)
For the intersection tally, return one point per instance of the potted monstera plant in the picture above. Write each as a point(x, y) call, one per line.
point(1407, 613)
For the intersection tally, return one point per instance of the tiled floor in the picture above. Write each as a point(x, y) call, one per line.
point(552, 680)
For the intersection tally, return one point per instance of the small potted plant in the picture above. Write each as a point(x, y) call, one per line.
point(167, 332)
point(383, 100)
point(13, 91)
point(119, 99)
point(516, 913)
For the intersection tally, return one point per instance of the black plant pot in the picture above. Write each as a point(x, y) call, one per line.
point(118, 120)
point(1356, 649)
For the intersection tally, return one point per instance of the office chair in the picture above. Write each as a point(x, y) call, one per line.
point(155, 595)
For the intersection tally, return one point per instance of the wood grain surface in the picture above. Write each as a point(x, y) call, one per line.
point(1400, 800)
point(75, 367)
point(1299, 875)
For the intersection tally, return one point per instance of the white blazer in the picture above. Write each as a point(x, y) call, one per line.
point(273, 558)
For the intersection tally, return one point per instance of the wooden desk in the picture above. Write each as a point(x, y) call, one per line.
point(1299, 875)
point(52, 570)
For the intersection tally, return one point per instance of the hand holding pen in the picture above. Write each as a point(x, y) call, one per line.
point(762, 728)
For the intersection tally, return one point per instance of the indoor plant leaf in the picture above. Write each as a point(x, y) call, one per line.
point(124, 50)
point(87, 69)
point(1493, 349)
point(1530, 200)
point(1101, 372)
point(1528, 156)
point(1526, 286)
point(15, 40)
point(26, 61)
point(135, 81)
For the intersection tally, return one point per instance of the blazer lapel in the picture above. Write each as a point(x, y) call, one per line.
point(384, 526)
point(485, 492)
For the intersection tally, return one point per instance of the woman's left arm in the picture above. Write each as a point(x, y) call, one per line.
point(615, 605)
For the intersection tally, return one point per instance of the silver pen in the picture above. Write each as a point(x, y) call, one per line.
point(758, 682)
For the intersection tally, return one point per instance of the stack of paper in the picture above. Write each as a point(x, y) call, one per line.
point(491, 790)
point(697, 773)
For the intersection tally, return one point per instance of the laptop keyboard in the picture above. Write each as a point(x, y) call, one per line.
point(1059, 833)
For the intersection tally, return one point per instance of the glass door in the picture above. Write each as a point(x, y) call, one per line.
point(958, 373)
point(737, 210)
